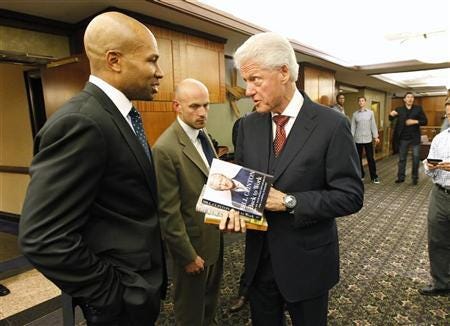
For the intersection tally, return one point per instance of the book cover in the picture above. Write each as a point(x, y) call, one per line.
point(231, 186)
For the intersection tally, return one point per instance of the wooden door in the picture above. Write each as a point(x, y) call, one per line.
point(63, 79)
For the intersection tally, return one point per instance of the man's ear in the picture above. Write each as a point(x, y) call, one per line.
point(113, 60)
point(285, 73)
point(176, 106)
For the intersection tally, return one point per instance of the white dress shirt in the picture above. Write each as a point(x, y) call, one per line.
point(291, 110)
point(119, 99)
point(440, 149)
point(192, 133)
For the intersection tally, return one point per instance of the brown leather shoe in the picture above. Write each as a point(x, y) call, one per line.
point(431, 290)
point(238, 304)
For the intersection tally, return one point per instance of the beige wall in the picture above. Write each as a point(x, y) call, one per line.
point(33, 43)
point(16, 141)
point(377, 96)
point(221, 117)
point(351, 103)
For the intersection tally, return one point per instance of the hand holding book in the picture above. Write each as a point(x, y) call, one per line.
point(233, 187)
point(232, 222)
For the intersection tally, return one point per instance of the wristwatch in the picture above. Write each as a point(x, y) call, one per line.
point(290, 202)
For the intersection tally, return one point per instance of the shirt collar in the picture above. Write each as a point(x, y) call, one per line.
point(191, 132)
point(293, 108)
point(117, 97)
point(362, 110)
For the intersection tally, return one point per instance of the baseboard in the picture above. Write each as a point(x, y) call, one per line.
point(27, 316)
point(10, 217)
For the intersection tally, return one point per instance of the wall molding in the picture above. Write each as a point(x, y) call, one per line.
point(14, 169)
point(11, 217)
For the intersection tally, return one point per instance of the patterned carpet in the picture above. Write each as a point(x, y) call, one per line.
point(384, 261)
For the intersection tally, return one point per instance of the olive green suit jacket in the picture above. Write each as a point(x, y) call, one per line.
point(181, 174)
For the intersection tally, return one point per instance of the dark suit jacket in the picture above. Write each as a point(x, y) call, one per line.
point(319, 165)
point(416, 113)
point(242, 177)
point(89, 221)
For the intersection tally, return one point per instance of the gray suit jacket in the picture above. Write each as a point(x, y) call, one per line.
point(89, 221)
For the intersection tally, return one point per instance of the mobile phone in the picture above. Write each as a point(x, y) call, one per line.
point(433, 160)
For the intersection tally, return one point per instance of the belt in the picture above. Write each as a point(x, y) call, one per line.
point(443, 189)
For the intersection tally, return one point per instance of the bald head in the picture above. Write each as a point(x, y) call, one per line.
point(111, 31)
point(189, 86)
point(191, 102)
point(122, 50)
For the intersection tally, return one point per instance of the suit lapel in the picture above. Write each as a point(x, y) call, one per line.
point(189, 149)
point(303, 126)
point(145, 164)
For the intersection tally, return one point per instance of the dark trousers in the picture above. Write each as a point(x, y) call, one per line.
point(267, 304)
point(438, 238)
point(243, 288)
point(128, 317)
point(402, 156)
point(368, 148)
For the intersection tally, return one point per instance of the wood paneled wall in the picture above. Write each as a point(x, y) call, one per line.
point(318, 83)
point(181, 56)
point(16, 141)
point(433, 107)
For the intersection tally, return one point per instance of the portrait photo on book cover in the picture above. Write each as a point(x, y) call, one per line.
point(237, 187)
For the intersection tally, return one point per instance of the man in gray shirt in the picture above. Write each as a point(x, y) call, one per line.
point(364, 130)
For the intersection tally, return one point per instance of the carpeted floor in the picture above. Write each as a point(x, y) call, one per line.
point(384, 261)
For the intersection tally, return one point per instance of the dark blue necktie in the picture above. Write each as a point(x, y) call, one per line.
point(136, 122)
point(207, 149)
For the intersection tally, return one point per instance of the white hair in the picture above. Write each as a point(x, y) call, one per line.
point(270, 50)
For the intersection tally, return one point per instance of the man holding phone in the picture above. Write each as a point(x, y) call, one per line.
point(437, 166)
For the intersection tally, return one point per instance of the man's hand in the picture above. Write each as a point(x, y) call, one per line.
point(411, 122)
point(275, 201)
point(232, 222)
point(377, 140)
point(393, 113)
point(195, 267)
point(441, 166)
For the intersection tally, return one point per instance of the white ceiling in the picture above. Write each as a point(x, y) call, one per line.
point(341, 27)
point(382, 34)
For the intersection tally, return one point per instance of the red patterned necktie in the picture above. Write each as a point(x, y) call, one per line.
point(280, 134)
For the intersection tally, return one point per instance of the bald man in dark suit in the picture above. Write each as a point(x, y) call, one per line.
point(89, 221)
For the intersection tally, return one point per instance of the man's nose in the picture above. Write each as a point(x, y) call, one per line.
point(159, 73)
point(249, 90)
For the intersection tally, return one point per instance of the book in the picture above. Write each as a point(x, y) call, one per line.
point(213, 215)
point(212, 219)
point(231, 186)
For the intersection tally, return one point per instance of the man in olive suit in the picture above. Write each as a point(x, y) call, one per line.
point(182, 166)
